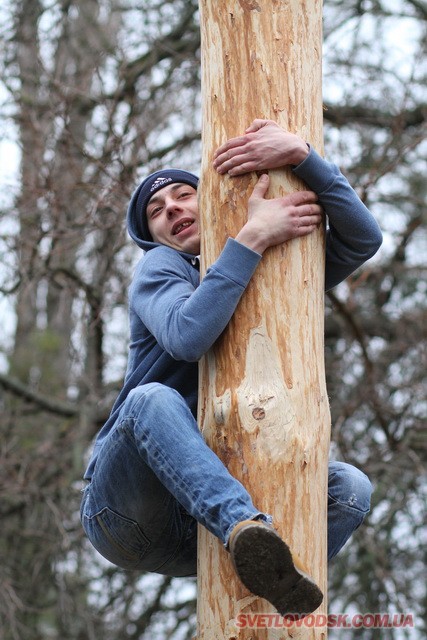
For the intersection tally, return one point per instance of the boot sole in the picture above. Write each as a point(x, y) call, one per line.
point(264, 564)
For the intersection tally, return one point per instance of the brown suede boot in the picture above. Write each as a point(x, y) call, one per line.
point(266, 567)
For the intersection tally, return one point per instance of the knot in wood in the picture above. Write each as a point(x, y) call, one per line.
point(258, 413)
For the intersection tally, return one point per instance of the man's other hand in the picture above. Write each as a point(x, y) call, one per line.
point(271, 222)
point(265, 145)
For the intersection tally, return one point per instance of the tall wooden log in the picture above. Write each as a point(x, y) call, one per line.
point(262, 400)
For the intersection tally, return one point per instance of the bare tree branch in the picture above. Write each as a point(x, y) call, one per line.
point(48, 404)
point(346, 115)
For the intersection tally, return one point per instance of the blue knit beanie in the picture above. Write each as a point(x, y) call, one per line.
point(151, 184)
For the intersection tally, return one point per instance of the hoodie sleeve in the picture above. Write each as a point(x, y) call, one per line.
point(353, 235)
point(186, 318)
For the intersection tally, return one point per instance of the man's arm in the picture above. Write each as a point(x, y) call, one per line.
point(353, 235)
point(272, 222)
point(187, 319)
point(265, 145)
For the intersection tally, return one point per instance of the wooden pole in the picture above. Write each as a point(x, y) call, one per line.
point(262, 400)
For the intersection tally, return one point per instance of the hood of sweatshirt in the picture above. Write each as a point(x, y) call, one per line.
point(136, 213)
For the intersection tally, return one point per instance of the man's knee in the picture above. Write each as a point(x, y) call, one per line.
point(349, 486)
point(151, 408)
point(152, 395)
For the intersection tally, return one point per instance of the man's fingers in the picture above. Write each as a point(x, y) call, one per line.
point(238, 141)
point(306, 230)
point(228, 146)
point(301, 197)
point(257, 124)
point(227, 160)
point(227, 154)
point(261, 187)
point(310, 220)
point(236, 161)
point(244, 167)
point(312, 210)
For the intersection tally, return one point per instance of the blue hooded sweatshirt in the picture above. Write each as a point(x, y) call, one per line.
point(175, 318)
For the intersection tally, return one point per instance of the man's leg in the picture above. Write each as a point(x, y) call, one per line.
point(154, 477)
point(155, 444)
point(131, 518)
point(349, 495)
point(169, 441)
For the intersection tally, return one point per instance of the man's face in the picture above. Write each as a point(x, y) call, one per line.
point(173, 217)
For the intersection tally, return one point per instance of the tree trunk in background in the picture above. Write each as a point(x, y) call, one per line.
point(33, 131)
point(263, 404)
point(53, 201)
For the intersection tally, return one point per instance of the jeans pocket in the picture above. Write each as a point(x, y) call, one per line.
point(119, 539)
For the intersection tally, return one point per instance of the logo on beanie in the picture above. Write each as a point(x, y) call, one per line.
point(159, 182)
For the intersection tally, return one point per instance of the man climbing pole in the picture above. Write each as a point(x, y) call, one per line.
point(151, 477)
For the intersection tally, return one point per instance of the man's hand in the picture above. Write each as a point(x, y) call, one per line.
point(271, 222)
point(265, 145)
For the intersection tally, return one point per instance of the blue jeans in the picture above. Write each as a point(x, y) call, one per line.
point(155, 478)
